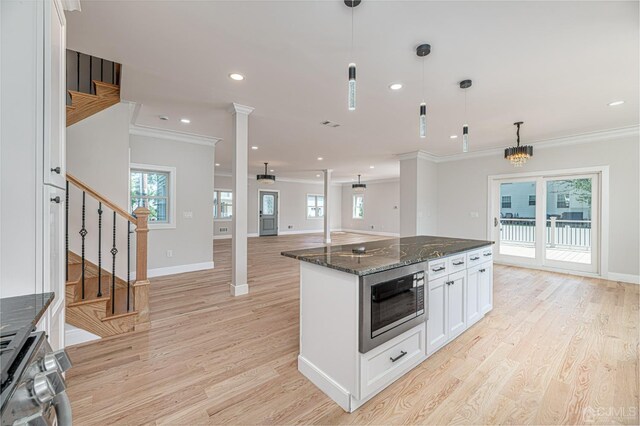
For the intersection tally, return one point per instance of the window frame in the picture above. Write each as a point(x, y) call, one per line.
point(353, 207)
point(171, 222)
point(502, 202)
point(306, 206)
point(223, 219)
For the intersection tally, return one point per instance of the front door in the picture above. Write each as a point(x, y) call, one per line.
point(268, 213)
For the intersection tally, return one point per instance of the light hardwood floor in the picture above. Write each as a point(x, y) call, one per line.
point(556, 349)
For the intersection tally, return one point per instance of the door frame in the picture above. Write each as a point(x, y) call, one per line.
point(603, 212)
point(260, 191)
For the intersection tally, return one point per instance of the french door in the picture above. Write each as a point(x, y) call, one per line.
point(547, 220)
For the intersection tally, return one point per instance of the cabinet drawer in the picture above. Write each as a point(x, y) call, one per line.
point(486, 254)
point(438, 268)
point(385, 364)
point(457, 262)
point(474, 258)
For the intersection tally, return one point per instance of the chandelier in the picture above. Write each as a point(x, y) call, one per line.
point(518, 155)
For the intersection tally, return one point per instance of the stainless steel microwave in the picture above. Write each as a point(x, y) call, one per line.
point(391, 302)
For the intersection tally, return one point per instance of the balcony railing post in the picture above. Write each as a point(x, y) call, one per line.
point(552, 240)
point(141, 286)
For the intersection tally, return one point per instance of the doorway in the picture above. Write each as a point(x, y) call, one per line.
point(268, 213)
point(548, 220)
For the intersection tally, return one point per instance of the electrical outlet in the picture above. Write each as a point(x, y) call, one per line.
point(187, 215)
point(290, 226)
point(169, 253)
point(474, 214)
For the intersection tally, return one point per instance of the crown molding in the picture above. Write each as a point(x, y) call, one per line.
point(154, 132)
point(282, 179)
point(240, 109)
point(71, 5)
point(374, 181)
point(600, 135)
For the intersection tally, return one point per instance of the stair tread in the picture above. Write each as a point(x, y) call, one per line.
point(105, 84)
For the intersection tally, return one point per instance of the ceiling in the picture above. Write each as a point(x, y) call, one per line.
point(553, 65)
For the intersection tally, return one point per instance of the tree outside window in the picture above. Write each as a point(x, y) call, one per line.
point(150, 189)
point(358, 206)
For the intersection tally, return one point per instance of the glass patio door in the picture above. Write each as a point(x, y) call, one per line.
point(571, 229)
point(547, 221)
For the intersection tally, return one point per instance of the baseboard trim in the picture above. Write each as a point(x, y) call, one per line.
point(359, 231)
point(239, 290)
point(624, 278)
point(178, 269)
point(296, 232)
point(75, 336)
point(325, 383)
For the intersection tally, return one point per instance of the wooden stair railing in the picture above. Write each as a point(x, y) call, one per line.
point(98, 300)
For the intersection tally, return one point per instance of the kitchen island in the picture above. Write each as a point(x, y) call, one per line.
point(371, 312)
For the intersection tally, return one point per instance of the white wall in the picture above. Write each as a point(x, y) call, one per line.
point(463, 189)
point(381, 208)
point(293, 215)
point(191, 241)
point(418, 196)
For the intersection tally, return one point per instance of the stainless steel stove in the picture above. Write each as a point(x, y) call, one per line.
point(32, 391)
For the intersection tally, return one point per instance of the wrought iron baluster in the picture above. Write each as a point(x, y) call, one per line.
point(78, 72)
point(113, 72)
point(101, 69)
point(99, 249)
point(114, 251)
point(66, 232)
point(128, 264)
point(83, 234)
point(91, 75)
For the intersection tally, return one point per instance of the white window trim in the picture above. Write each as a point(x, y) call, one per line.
point(171, 224)
point(353, 207)
point(224, 219)
point(306, 198)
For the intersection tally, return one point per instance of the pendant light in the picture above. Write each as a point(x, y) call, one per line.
point(266, 178)
point(465, 84)
point(422, 51)
point(358, 187)
point(518, 155)
point(352, 67)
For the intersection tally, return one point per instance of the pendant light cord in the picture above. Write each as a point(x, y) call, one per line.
point(518, 134)
point(423, 79)
point(352, 31)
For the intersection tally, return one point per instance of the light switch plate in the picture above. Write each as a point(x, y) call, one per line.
point(187, 215)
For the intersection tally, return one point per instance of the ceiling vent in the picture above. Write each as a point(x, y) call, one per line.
point(329, 123)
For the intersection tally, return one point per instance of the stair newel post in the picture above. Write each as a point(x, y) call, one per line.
point(99, 249)
point(128, 264)
point(114, 251)
point(83, 233)
point(141, 286)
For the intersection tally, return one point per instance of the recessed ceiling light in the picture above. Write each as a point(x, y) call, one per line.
point(320, 158)
point(395, 86)
point(217, 164)
point(236, 76)
point(271, 171)
point(453, 137)
point(317, 175)
point(615, 103)
point(254, 148)
point(185, 120)
point(372, 167)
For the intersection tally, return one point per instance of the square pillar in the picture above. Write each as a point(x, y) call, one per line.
point(327, 203)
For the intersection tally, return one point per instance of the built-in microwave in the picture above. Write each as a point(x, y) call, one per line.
point(391, 302)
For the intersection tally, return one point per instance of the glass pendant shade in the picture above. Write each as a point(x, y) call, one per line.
point(518, 155)
point(465, 138)
point(266, 178)
point(359, 187)
point(423, 120)
point(352, 87)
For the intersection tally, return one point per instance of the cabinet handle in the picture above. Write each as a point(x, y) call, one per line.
point(482, 270)
point(442, 268)
point(57, 170)
point(475, 258)
point(402, 353)
point(458, 264)
point(487, 254)
point(55, 200)
point(450, 282)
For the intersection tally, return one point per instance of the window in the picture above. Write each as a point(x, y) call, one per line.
point(315, 206)
point(358, 206)
point(153, 187)
point(563, 201)
point(222, 204)
point(532, 200)
point(506, 201)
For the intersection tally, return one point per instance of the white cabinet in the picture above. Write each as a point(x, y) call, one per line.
point(474, 312)
point(447, 310)
point(485, 287)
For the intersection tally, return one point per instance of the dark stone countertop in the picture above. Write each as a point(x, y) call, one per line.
point(22, 311)
point(384, 254)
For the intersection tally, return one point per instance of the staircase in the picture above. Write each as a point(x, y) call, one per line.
point(93, 84)
point(97, 299)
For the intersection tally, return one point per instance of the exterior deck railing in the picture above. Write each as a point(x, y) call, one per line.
point(559, 232)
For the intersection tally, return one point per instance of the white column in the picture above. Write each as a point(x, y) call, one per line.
point(418, 194)
point(240, 172)
point(327, 203)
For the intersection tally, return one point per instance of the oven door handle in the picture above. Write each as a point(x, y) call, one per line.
point(62, 406)
point(402, 353)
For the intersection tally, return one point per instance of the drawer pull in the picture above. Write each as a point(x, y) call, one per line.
point(55, 200)
point(487, 254)
point(482, 270)
point(475, 258)
point(56, 170)
point(450, 282)
point(402, 353)
point(442, 268)
point(458, 263)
